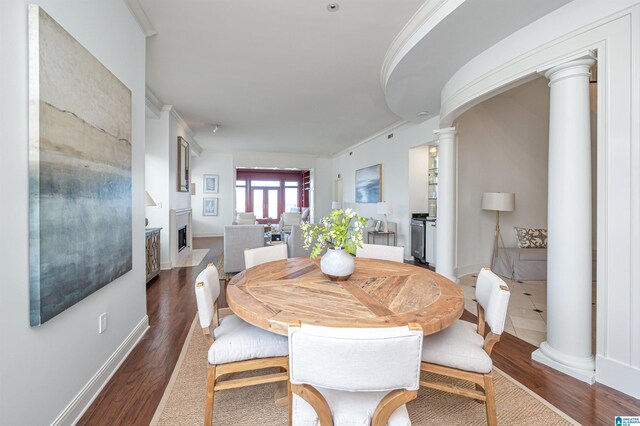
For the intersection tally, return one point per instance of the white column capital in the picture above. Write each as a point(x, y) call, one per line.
point(573, 66)
point(446, 131)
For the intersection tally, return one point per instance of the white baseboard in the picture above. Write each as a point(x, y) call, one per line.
point(76, 408)
point(165, 266)
point(215, 234)
point(469, 269)
point(624, 378)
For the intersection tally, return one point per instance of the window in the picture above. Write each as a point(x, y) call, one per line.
point(241, 196)
point(269, 193)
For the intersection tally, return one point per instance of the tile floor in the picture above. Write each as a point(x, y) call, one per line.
point(527, 313)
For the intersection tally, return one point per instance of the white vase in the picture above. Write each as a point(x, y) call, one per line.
point(337, 264)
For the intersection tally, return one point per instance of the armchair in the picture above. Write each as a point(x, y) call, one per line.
point(289, 219)
point(243, 218)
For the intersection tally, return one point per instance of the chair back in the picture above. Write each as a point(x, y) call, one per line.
point(305, 214)
point(355, 359)
point(207, 288)
point(258, 256)
point(375, 251)
point(492, 293)
point(237, 238)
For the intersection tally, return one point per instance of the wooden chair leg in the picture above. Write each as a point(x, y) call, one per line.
point(211, 383)
point(479, 389)
point(290, 403)
point(490, 404)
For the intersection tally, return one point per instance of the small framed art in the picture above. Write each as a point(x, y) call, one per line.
point(210, 207)
point(210, 184)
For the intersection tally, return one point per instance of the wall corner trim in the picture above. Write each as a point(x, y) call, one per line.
point(76, 408)
point(141, 17)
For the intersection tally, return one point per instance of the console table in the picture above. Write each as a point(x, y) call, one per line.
point(152, 244)
point(375, 233)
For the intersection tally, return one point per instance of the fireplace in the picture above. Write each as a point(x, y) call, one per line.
point(182, 238)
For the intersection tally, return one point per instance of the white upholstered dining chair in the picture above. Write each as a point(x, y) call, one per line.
point(462, 351)
point(260, 255)
point(235, 345)
point(376, 251)
point(349, 376)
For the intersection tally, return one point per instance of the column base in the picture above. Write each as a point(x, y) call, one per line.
point(587, 375)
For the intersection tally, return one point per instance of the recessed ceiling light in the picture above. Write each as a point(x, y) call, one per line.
point(423, 113)
point(333, 7)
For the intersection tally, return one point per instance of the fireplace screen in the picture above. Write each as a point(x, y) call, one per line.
point(182, 238)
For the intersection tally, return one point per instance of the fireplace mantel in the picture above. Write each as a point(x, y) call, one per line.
point(177, 219)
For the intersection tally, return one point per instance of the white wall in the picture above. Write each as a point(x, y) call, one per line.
point(503, 146)
point(322, 193)
point(213, 163)
point(177, 200)
point(157, 179)
point(394, 155)
point(42, 369)
point(161, 158)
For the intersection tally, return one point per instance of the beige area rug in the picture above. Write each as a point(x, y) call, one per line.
point(183, 400)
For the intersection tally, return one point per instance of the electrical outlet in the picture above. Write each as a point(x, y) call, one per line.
point(102, 323)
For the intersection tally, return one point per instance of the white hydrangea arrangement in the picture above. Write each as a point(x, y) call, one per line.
point(342, 229)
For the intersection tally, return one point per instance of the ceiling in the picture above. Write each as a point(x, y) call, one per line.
point(474, 26)
point(282, 76)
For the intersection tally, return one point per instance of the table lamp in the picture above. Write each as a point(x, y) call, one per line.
point(148, 201)
point(384, 208)
point(498, 202)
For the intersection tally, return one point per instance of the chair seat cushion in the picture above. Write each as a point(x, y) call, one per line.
point(457, 346)
point(237, 340)
point(347, 409)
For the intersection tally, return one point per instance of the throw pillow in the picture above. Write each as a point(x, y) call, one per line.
point(531, 237)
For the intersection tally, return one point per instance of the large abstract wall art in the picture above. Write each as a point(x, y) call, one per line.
point(79, 171)
point(369, 184)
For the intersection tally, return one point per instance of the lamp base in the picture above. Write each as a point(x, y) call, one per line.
point(146, 222)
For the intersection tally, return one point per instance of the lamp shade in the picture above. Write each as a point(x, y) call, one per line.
point(499, 201)
point(148, 201)
point(384, 207)
point(336, 205)
point(192, 188)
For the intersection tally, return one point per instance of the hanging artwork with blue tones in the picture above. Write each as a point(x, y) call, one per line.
point(79, 171)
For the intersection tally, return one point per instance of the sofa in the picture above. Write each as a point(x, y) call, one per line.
point(526, 264)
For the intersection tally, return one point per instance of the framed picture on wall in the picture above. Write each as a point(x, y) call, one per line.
point(369, 184)
point(183, 165)
point(209, 207)
point(210, 184)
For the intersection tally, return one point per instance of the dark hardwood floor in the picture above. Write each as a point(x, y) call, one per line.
point(135, 390)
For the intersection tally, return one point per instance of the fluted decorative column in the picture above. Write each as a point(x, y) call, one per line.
point(569, 251)
point(446, 217)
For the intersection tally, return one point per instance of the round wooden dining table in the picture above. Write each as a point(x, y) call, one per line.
point(380, 293)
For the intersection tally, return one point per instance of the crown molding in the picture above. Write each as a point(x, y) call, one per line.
point(372, 137)
point(194, 146)
point(151, 101)
point(411, 33)
point(141, 17)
